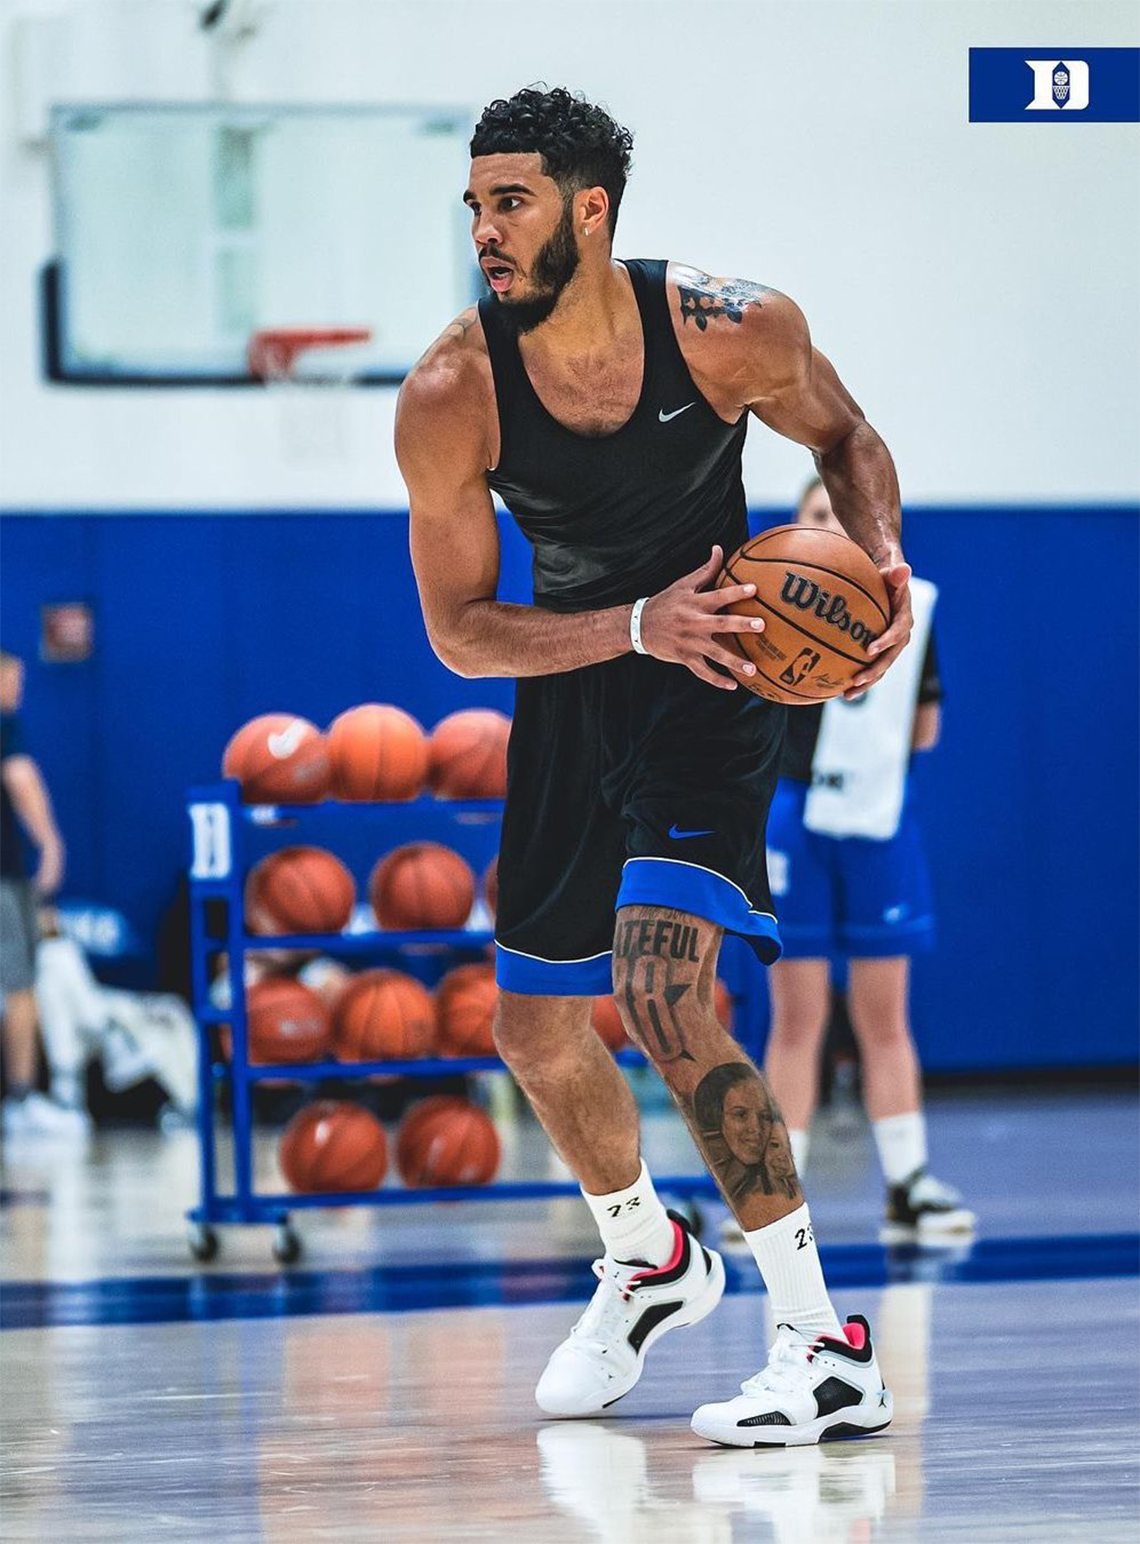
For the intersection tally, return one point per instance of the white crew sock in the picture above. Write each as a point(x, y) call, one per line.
point(799, 1141)
point(67, 1090)
point(901, 1140)
point(633, 1223)
point(789, 1263)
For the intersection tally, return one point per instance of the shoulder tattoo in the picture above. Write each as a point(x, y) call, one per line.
point(706, 298)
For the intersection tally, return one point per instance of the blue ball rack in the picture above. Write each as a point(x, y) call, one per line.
point(221, 840)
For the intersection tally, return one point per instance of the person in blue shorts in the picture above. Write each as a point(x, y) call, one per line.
point(865, 898)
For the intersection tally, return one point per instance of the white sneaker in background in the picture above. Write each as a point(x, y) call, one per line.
point(925, 1210)
point(634, 1305)
point(34, 1115)
point(814, 1388)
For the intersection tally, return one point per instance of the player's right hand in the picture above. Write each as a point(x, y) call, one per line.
point(680, 624)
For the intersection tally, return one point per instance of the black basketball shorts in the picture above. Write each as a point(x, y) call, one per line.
point(630, 783)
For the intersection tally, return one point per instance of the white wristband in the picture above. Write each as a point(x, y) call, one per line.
point(635, 626)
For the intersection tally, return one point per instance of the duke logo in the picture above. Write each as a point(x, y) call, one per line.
point(806, 595)
point(1059, 85)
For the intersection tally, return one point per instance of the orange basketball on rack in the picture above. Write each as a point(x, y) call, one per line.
point(285, 1022)
point(279, 759)
point(722, 1002)
point(491, 885)
point(299, 890)
point(333, 1145)
point(378, 752)
point(446, 1141)
point(328, 978)
point(420, 886)
point(383, 1015)
point(465, 1003)
point(468, 755)
point(823, 602)
point(607, 1022)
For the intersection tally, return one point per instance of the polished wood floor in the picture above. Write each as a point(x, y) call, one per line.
point(1017, 1404)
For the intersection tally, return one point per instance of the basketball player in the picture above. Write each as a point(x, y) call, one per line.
point(607, 403)
point(869, 901)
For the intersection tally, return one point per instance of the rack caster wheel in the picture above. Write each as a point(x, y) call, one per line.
point(203, 1241)
point(286, 1244)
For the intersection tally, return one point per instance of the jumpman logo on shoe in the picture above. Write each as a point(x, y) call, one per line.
point(664, 417)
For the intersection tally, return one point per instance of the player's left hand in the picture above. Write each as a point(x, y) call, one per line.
point(887, 648)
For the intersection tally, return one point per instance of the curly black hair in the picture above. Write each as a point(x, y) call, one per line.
point(581, 146)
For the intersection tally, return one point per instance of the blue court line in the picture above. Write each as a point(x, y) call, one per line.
point(514, 1283)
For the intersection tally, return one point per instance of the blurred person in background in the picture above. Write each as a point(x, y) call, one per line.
point(847, 867)
point(24, 803)
point(133, 1035)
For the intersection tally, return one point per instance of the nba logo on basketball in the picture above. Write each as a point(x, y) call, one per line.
point(1059, 84)
point(806, 660)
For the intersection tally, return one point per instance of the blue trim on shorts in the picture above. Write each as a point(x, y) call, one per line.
point(533, 977)
point(703, 893)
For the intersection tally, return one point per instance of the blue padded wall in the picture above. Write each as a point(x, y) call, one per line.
point(1030, 803)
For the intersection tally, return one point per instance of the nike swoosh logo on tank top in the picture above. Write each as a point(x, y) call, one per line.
point(664, 417)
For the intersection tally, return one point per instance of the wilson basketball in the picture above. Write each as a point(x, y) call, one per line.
point(446, 1141)
point(420, 886)
point(383, 1015)
point(285, 1022)
point(378, 752)
point(279, 759)
point(491, 886)
point(299, 890)
point(333, 1145)
point(468, 755)
point(465, 1003)
point(823, 602)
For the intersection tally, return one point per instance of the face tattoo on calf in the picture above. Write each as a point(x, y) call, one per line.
point(743, 1134)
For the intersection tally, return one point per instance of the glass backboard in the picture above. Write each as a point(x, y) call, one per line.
point(182, 229)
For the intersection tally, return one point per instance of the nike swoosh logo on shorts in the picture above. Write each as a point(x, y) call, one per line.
point(678, 835)
point(285, 743)
point(664, 417)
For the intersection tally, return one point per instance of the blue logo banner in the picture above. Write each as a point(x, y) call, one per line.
point(1051, 85)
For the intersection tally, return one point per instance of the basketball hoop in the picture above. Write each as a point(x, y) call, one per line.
point(310, 371)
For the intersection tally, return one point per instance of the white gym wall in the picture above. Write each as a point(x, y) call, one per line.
point(976, 285)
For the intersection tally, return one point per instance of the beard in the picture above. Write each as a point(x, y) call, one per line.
point(554, 267)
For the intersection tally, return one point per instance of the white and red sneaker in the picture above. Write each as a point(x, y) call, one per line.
point(813, 1389)
point(635, 1304)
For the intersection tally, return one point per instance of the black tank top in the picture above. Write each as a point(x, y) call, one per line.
point(616, 516)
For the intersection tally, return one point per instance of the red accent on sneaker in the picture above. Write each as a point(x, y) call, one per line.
point(854, 1335)
point(671, 1264)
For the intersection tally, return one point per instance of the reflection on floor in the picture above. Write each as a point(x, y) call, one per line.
point(1016, 1399)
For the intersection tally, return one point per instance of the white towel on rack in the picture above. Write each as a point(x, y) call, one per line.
point(863, 751)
